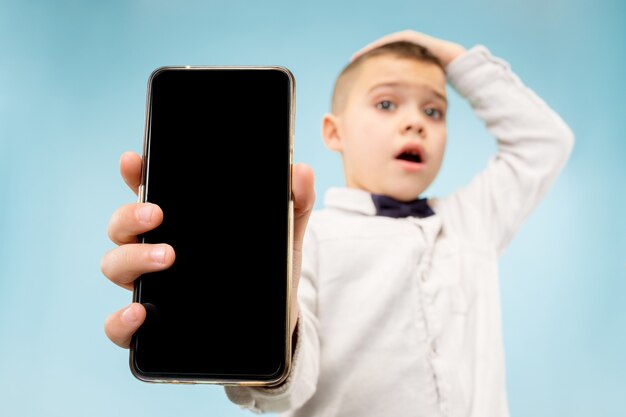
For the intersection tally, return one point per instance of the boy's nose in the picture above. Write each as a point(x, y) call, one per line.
point(413, 124)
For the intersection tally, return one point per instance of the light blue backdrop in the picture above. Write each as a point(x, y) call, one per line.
point(72, 92)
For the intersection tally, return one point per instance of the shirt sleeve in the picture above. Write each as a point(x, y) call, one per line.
point(533, 144)
point(301, 383)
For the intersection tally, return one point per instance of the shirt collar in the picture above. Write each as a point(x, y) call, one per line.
point(356, 200)
point(350, 199)
point(359, 201)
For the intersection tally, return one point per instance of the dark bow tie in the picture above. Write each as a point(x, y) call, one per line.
point(390, 207)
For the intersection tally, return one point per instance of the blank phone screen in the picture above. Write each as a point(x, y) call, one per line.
point(217, 162)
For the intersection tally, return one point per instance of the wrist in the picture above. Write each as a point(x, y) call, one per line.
point(452, 54)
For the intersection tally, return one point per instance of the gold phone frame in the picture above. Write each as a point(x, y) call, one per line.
point(141, 198)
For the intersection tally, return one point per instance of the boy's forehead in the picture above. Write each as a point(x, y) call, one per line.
point(388, 71)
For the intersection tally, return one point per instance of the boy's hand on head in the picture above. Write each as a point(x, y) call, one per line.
point(446, 51)
point(131, 259)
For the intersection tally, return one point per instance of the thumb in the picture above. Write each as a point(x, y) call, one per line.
point(304, 198)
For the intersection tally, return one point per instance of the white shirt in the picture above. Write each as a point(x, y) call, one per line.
point(401, 317)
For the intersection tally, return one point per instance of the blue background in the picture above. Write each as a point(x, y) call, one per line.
point(72, 94)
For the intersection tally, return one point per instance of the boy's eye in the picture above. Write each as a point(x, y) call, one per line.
point(385, 105)
point(434, 113)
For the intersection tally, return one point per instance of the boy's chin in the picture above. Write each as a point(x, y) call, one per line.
point(398, 190)
point(404, 194)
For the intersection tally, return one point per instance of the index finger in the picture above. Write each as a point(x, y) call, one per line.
point(130, 168)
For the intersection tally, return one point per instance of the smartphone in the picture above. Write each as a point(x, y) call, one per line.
point(217, 159)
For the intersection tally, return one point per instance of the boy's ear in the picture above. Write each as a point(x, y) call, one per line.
point(330, 132)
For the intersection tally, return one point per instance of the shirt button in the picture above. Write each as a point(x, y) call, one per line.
point(424, 277)
point(433, 349)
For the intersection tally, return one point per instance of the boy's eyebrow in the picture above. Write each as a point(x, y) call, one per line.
point(397, 84)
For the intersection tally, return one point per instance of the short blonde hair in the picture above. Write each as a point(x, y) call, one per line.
point(400, 49)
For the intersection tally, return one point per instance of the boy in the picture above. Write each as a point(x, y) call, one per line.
point(397, 303)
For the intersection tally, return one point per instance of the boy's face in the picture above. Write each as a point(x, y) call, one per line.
point(392, 131)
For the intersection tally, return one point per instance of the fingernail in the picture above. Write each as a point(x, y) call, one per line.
point(129, 316)
point(158, 254)
point(145, 213)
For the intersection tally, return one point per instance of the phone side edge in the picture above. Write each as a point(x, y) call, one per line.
point(141, 198)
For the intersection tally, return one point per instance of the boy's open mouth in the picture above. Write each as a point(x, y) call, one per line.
point(411, 152)
point(411, 157)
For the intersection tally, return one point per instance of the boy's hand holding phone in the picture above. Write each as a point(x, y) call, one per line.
point(215, 284)
point(130, 259)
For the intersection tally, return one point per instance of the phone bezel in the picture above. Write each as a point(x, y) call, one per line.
point(141, 198)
